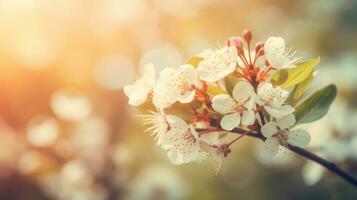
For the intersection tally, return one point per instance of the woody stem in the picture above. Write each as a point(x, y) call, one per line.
point(332, 167)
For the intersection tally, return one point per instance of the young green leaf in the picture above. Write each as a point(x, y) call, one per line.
point(194, 61)
point(300, 89)
point(279, 77)
point(316, 106)
point(213, 90)
point(230, 82)
point(290, 77)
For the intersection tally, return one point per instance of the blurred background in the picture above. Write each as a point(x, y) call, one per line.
point(67, 133)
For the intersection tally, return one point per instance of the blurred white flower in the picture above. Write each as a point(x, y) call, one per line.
point(139, 91)
point(312, 173)
point(158, 182)
point(42, 132)
point(11, 148)
point(273, 99)
point(162, 56)
point(276, 53)
point(113, 72)
point(236, 110)
point(218, 63)
point(72, 107)
point(73, 182)
point(279, 131)
point(30, 162)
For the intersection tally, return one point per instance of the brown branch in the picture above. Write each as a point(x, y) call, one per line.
point(327, 164)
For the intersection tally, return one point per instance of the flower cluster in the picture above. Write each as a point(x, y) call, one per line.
point(238, 88)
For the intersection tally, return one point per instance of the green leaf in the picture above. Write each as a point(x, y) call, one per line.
point(287, 78)
point(316, 106)
point(279, 77)
point(230, 81)
point(194, 61)
point(300, 89)
point(213, 90)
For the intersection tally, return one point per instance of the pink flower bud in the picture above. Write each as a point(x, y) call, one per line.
point(235, 41)
point(258, 47)
point(247, 36)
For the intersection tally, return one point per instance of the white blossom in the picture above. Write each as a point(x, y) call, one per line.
point(279, 131)
point(218, 63)
point(184, 146)
point(176, 85)
point(236, 110)
point(138, 92)
point(273, 99)
point(161, 125)
point(175, 135)
point(277, 54)
point(212, 145)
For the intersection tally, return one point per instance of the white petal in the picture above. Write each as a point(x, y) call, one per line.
point(230, 121)
point(174, 157)
point(149, 74)
point(274, 45)
point(264, 89)
point(211, 138)
point(217, 64)
point(242, 91)
point(275, 53)
point(286, 122)
point(188, 73)
point(187, 97)
point(286, 110)
point(280, 111)
point(177, 125)
point(269, 129)
point(205, 72)
point(248, 117)
point(278, 61)
point(159, 99)
point(271, 146)
point(299, 137)
point(223, 103)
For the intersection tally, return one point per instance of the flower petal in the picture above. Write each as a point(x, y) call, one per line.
point(286, 110)
point(279, 112)
point(230, 121)
point(298, 137)
point(217, 64)
point(174, 157)
point(248, 117)
point(286, 122)
point(177, 125)
point(275, 52)
point(242, 91)
point(136, 95)
point(274, 45)
point(269, 129)
point(187, 97)
point(223, 103)
point(264, 90)
point(271, 146)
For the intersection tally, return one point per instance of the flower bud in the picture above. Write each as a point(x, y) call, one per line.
point(235, 41)
point(247, 36)
point(258, 47)
point(261, 52)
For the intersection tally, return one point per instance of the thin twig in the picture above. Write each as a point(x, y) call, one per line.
point(325, 163)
